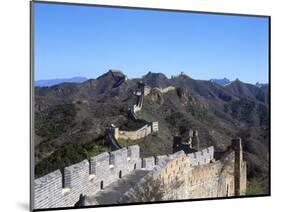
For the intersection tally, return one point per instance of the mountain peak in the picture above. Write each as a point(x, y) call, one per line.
point(155, 75)
point(156, 80)
point(113, 73)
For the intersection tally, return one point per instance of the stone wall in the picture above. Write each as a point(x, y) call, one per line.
point(147, 89)
point(210, 180)
point(165, 181)
point(62, 189)
point(170, 177)
point(165, 90)
point(134, 135)
point(178, 177)
point(144, 131)
point(48, 191)
point(202, 157)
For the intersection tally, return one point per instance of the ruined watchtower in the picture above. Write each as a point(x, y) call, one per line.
point(192, 144)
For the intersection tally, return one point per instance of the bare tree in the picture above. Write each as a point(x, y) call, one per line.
point(156, 190)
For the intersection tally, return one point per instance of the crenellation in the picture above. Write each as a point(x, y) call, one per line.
point(193, 172)
point(167, 172)
point(47, 190)
point(118, 156)
point(211, 151)
point(204, 156)
point(58, 189)
point(113, 133)
point(148, 163)
point(73, 173)
point(134, 160)
point(134, 135)
point(134, 151)
point(160, 159)
point(196, 175)
point(99, 163)
point(161, 90)
point(154, 126)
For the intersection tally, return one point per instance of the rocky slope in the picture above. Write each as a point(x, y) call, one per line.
point(70, 118)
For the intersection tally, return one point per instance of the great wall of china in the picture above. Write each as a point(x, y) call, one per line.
point(113, 133)
point(122, 176)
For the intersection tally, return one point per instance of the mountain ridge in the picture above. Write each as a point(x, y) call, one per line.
point(71, 118)
point(79, 79)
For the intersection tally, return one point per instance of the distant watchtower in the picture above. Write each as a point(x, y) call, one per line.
point(192, 144)
point(141, 86)
point(143, 89)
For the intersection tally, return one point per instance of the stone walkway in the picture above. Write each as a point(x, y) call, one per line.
point(112, 193)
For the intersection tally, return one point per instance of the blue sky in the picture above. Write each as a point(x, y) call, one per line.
point(87, 41)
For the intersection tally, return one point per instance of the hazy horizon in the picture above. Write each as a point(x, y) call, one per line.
point(86, 41)
point(87, 78)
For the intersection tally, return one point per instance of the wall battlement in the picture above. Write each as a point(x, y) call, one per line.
point(146, 90)
point(60, 189)
point(175, 177)
point(198, 170)
point(202, 157)
point(148, 128)
point(134, 135)
point(164, 90)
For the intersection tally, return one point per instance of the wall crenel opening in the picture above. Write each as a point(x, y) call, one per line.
point(101, 185)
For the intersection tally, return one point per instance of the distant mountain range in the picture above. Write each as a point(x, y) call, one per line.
point(224, 81)
point(51, 82)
